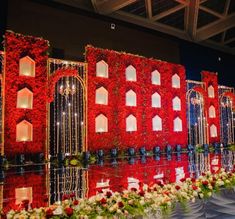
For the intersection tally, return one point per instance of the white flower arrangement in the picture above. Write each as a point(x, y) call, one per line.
point(133, 202)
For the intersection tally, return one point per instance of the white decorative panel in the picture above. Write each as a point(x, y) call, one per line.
point(131, 98)
point(156, 78)
point(156, 100)
point(24, 131)
point(27, 67)
point(178, 125)
point(101, 96)
point(130, 73)
point(213, 131)
point(176, 102)
point(131, 123)
point(157, 123)
point(25, 99)
point(212, 112)
point(176, 81)
point(102, 69)
point(101, 123)
point(211, 91)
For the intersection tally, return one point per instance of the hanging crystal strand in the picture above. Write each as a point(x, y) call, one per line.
point(69, 126)
point(72, 117)
point(63, 120)
point(54, 121)
point(76, 119)
point(57, 118)
point(81, 113)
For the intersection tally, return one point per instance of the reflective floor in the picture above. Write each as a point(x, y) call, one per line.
point(42, 185)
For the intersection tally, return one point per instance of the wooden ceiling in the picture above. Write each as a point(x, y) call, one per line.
point(207, 22)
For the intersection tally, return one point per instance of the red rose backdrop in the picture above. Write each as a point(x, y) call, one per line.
point(211, 79)
point(116, 111)
point(16, 47)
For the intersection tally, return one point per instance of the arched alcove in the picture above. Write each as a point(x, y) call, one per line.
point(175, 81)
point(130, 98)
point(178, 125)
point(212, 113)
point(130, 73)
point(176, 102)
point(101, 96)
point(156, 100)
point(157, 123)
point(25, 99)
point(156, 77)
point(27, 67)
point(213, 131)
point(211, 91)
point(131, 123)
point(24, 131)
point(101, 123)
point(102, 69)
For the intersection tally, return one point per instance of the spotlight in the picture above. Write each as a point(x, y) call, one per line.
point(112, 26)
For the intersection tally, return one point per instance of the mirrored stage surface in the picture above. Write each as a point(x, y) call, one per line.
point(42, 185)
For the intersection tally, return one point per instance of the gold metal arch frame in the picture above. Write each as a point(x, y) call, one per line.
point(231, 134)
point(204, 127)
point(58, 64)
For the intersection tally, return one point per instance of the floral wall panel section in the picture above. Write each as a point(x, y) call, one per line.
point(25, 53)
point(117, 110)
point(211, 87)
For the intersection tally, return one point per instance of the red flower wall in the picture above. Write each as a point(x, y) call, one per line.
point(30, 179)
point(16, 47)
point(116, 111)
point(211, 78)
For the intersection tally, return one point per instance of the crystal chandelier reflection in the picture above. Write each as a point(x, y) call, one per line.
point(67, 90)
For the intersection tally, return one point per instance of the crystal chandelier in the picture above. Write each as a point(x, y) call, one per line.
point(67, 90)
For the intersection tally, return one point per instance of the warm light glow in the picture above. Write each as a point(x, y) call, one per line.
point(101, 123)
point(157, 123)
point(178, 125)
point(131, 123)
point(27, 67)
point(176, 81)
point(102, 69)
point(156, 100)
point(176, 102)
point(156, 78)
point(212, 112)
point(101, 96)
point(24, 131)
point(25, 99)
point(211, 91)
point(213, 131)
point(130, 73)
point(131, 98)
point(22, 194)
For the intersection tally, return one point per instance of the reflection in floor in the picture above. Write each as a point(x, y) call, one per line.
point(43, 185)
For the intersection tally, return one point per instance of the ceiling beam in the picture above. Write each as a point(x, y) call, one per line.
point(191, 17)
point(148, 6)
point(216, 27)
point(216, 14)
point(226, 7)
point(107, 7)
point(229, 41)
point(223, 36)
point(168, 12)
point(149, 24)
point(182, 1)
point(202, 1)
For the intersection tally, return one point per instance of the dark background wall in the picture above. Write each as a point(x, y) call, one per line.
point(69, 30)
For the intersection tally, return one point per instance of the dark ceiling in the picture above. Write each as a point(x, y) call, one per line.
point(206, 22)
